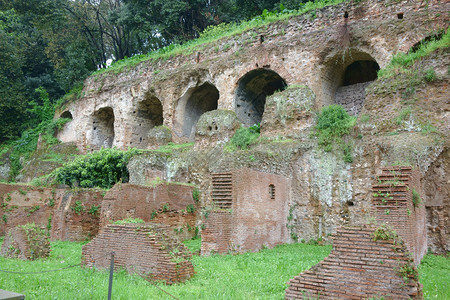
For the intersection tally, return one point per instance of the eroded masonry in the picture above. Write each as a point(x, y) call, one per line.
point(285, 187)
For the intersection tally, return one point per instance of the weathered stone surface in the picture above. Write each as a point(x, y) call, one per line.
point(289, 112)
point(312, 51)
point(158, 136)
point(215, 127)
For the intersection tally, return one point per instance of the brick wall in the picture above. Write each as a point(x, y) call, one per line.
point(142, 249)
point(165, 203)
point(352, 97)
point(26, 243)
point(22, 204)
point(216, 237)
point(76, 215)
point(392, 197)
point(252, 212)
point(357, 268)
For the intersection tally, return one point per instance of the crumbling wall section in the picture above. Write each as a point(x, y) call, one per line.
point(352, 97)
point(166, 203)
point(359, 268)
point(27, 242)
point(76, 215)
point(22, 204)
point(397, 198)
point(140, 248)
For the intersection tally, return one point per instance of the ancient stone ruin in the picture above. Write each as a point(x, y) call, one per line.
point(27, 242)
point(140, 248)
point(359, 268)
point(249, 211)
point(371, 261)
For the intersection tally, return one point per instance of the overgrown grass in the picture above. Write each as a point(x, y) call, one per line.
point(215, 33)
point(243, 138)
point(401, 62)
point(259, 275)
point(170, 147)
point(434, 275)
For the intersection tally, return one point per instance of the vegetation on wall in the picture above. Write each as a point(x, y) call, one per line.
point(401, 62)
point(333, 123)
point(243, 138)
point(102, 169)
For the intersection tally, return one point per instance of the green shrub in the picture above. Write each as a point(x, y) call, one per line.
point(430, 75)
point(416, 199)
point(244, 137)
point(333, 123)
point(196, 195)
point(102, 169)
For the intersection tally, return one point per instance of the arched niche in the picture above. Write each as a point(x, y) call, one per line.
point(345, 79)
point(195, 102)
point(66, 115)
point(103, 128)
point(251, 93)
point(148, 114)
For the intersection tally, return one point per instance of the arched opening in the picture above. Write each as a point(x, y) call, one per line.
point(193, 104)
point(103, 127)
point(149, 113)
point(251, 93)
point(345, 79)
point(66, 115)
point(426, 40)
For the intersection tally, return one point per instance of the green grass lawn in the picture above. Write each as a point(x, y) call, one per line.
point(261, 275)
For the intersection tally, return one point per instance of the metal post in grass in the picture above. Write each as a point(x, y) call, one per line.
point(111, 272)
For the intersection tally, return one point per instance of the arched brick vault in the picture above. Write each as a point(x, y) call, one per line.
point(300, 50)
point(251, 93)
point(345, 68)
point(195, 102)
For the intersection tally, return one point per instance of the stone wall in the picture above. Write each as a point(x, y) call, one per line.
point(253, 212)
point(76, 215)
point(352, 97)
point(140, 248)
point(166, 203)
point(359, 268)
point(302, 50)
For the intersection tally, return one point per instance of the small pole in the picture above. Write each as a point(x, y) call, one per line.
point(111, 272)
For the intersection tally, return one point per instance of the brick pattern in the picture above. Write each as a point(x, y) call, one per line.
point(67, 225)
point(26, 245)
point(165, 203)
point(143, 249)
point(216, 236)
point(352, 97)
point(222, 193)
point(22, 204)
point(357, 268)
point(392, 199)
point(255, 217)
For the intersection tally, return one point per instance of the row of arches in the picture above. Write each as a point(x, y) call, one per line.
point(250, 97)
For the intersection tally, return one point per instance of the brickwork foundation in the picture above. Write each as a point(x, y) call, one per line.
point(143, 249)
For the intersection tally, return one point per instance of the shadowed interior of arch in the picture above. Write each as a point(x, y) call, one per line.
point(251, 93)
point(193, 104)
point(66, 115)
point(345, 78)
point(149, 113)
point(103, 127)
